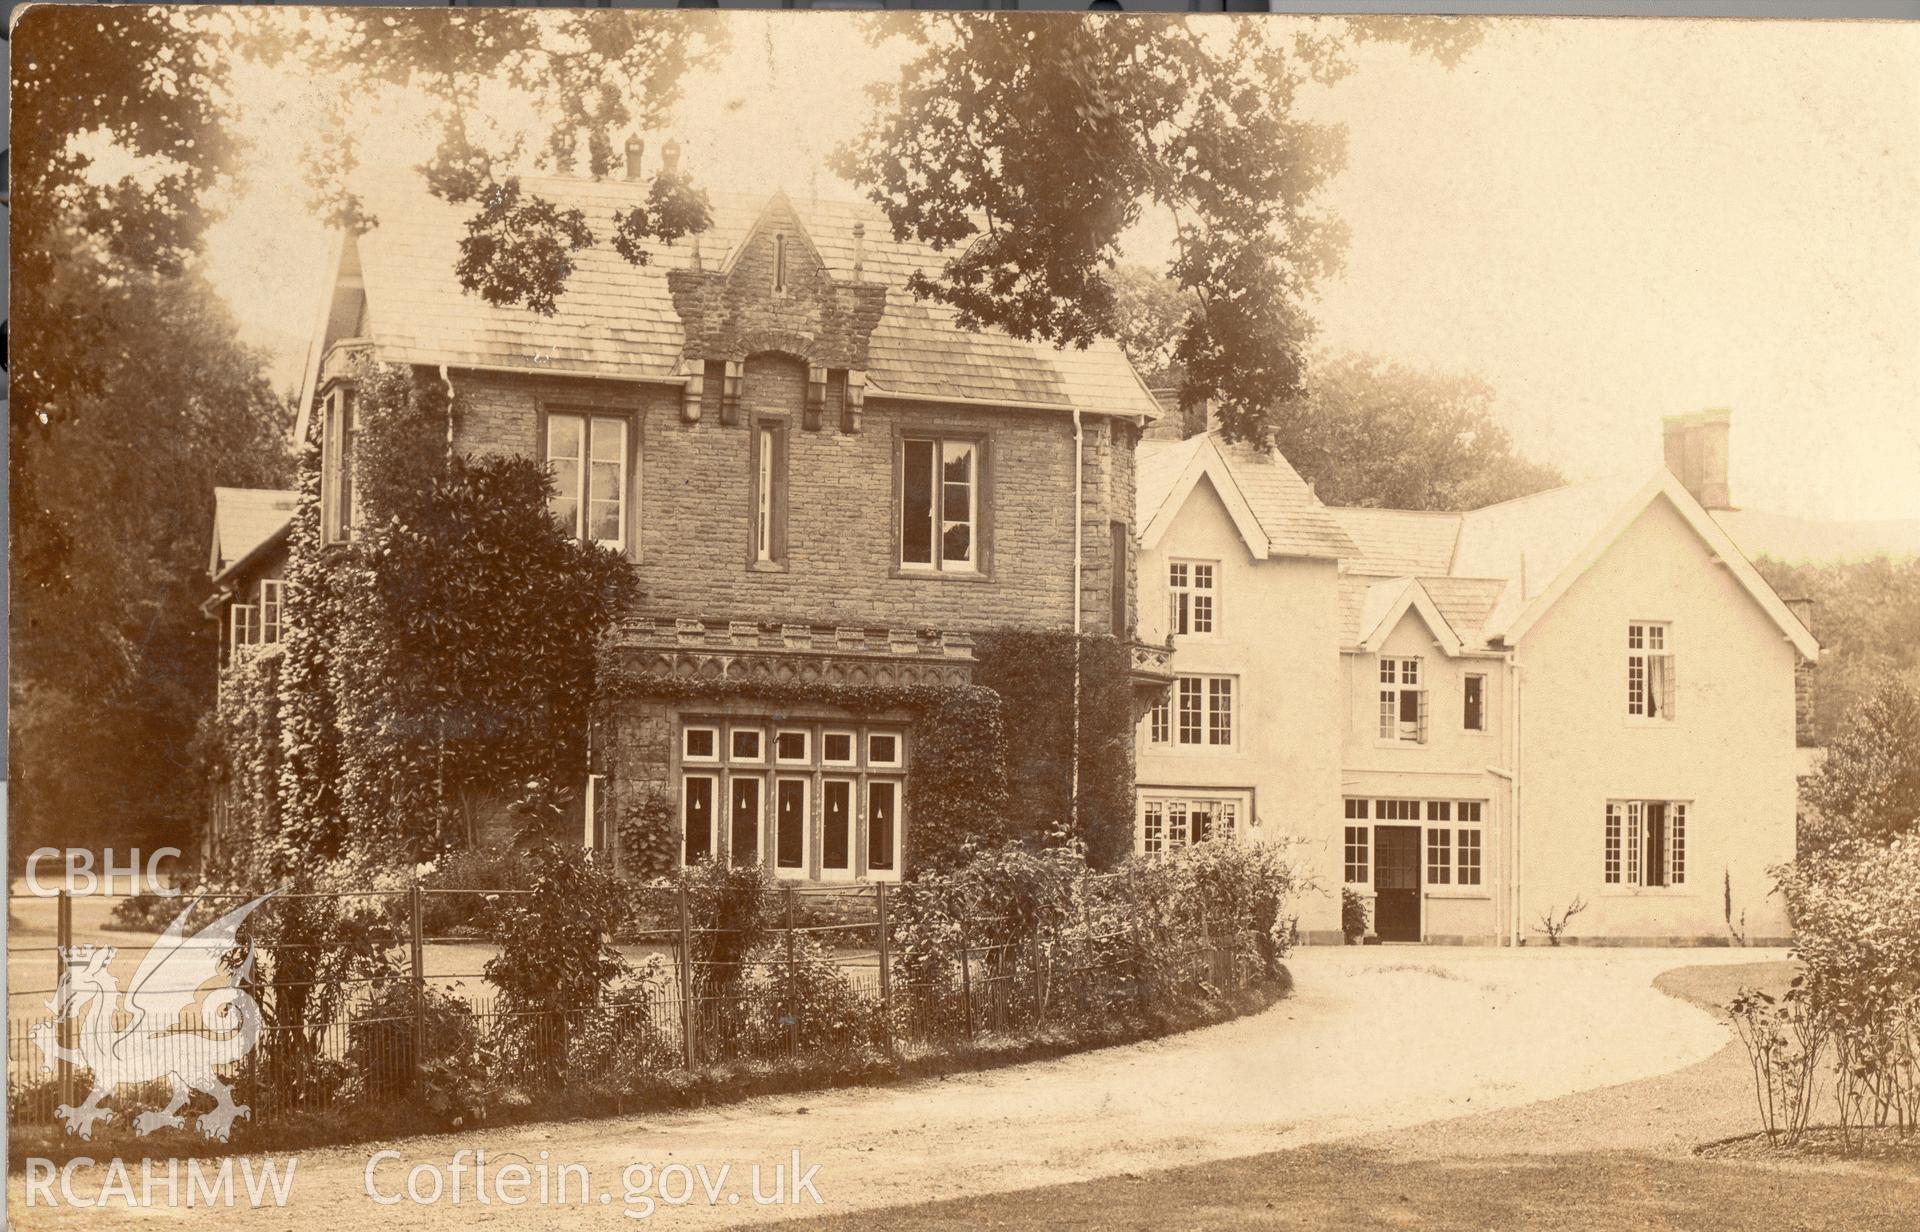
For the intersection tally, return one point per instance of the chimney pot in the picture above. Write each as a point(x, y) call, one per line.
point(670, 157)
point(635, 148)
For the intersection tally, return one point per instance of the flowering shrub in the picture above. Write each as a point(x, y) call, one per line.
point(1353, 914)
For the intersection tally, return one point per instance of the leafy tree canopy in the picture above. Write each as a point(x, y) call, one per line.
point(1028, 147)
point(1867, 617)
point(1868, 786)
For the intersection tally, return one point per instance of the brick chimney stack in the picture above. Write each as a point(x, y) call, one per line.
point(1697, 448)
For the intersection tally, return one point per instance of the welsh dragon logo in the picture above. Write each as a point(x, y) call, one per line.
point(155, 1044)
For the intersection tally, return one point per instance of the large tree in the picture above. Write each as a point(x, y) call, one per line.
point(1867, 617)
point(1028, 147)
point(1369, 432)
point(112, 663)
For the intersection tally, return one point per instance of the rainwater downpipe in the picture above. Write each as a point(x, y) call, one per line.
point(1513, 674)
point(1073, 800)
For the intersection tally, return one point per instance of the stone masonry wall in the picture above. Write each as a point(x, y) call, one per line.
point(694, 519)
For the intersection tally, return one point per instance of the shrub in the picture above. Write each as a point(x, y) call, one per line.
point(481, 873)
point(1353, 914)
point(805, 998)
point(449, 1081)
point(647, 848)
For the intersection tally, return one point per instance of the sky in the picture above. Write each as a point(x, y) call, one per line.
point(1608, 220)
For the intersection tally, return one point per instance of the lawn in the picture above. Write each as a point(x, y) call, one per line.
point(1620, 1157)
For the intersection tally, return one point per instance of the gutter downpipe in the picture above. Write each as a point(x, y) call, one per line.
point(1079, 473)
point(1513, 673)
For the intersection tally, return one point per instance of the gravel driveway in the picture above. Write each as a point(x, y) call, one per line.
point(1372, 1039)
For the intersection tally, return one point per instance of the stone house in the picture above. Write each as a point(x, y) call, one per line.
point(821, 483)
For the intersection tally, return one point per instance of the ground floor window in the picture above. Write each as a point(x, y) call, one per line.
point(1646, 843)
point(1171, 819)
point(1453, 837)
point(806, 798)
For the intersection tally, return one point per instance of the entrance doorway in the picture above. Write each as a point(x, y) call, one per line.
point(1396, 883)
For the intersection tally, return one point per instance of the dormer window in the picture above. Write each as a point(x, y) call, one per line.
point(780, 264)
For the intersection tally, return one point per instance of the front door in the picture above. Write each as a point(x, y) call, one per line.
point(1396, 883)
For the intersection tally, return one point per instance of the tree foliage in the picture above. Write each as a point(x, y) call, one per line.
point(1028, 147)
point(112, 662)
point(1868, 785)
point(1370, 432)
point(584, 80)
point(1867, 617)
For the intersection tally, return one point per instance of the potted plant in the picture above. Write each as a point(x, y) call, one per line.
point(1353, 915)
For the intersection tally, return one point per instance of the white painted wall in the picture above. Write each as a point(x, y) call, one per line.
point(1729, 750)
point(1278, 631)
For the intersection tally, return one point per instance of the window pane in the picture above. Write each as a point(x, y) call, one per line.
point(956, 502)
point(836, 835)
point(697, 817)
point(1220, 711)
point(564, 443)
point(837, 747)
point(790, 824)
point(790, 746)
point(609, 440)
point(916, 504)
point(881, 820)
point(1189, 710)
point(701, 742)
point(744, 831)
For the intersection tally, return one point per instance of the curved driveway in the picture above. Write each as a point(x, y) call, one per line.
point(1372, 1039)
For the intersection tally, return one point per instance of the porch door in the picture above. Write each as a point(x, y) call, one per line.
point(1396, 883)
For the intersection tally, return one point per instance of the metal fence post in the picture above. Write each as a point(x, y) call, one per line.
point(63, 937)
point(966, 976)
point(417, 927)
point(686, 978)
point(793, 1010)
point(886, 969)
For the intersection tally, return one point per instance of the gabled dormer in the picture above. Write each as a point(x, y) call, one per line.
point(774, 293)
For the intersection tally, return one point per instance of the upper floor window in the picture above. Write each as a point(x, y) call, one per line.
point(1190, 594)
point(587, 455)
point(339, 502)
point(1200, 713)
point(1473, 702)
point(769, 492)
point(243, 628)
point(1646, 843)
point(1650, 672)
point(940, 503)
point(1403, 701)
point(272, 592)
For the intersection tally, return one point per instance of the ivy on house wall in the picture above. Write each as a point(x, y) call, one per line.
point(1032, 671)
point(441, 659)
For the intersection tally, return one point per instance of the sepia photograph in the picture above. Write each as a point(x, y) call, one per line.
point(961, 618)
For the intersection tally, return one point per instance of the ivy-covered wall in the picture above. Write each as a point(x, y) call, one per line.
point(1032, 671)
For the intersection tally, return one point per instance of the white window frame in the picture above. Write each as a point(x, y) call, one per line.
point(763, 494)
point(1207, 715)
point(759, 733)
point(805, 871)
point(1357, 820)
point(1160, 719)
point(942, 447)
point(898, 759)
point(589, 802)
point(866, 823)
point(243, 628)
point(1651, 677)
point(759, 781)
point(716, 810)
point(1192, 602)
point(1155, 831)
point(853, 747)
point(854, 835)
point(272, 600)
point(338, 515)
point(1409, 676)
point(591, 423)
point(1624, 865)
point(806, 740)
point(719, 748)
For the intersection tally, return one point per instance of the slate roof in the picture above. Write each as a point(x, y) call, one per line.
point(618, 320)
point(245, 518)
point(1292, 518)
point(1479, 567)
